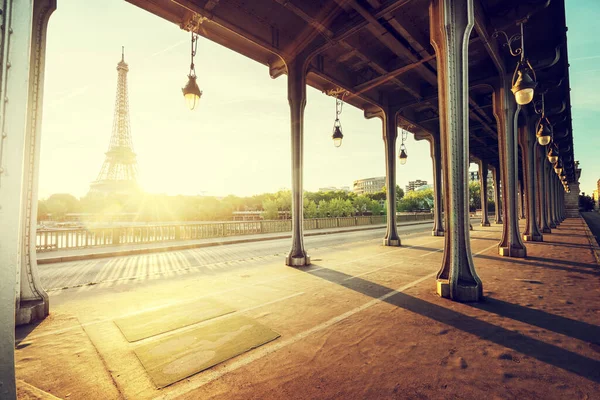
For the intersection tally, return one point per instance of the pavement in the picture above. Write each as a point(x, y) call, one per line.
point(592, 219)
point(362, 322)
point(144, 248)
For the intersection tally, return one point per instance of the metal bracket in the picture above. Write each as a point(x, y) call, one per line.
point(337, 92)
point(192, 22)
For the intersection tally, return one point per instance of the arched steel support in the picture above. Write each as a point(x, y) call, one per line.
point(297, 256)
point(527, 139)
point(451, 21)
point(483, 181)
point(506, 113)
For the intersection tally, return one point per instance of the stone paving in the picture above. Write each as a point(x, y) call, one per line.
point(362, 322)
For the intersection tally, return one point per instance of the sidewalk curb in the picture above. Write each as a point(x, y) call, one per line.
point(592, 239)
point(148, 250)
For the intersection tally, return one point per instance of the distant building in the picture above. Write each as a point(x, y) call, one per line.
point(597, 192)
point(595, 198)
point(334, 189)
point(412, 185)
point(369, 185)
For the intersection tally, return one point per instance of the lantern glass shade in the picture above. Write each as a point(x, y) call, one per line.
point(337, 135)
point(191, 92)
point(524, 96)
point(403, 156)
point(524, 86)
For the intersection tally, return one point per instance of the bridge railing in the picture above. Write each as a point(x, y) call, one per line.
point(80, 238)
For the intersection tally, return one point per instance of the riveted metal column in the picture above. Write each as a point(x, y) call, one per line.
point(559, 192)
point(451, 22)
point(33, 302)
point(521, 200)
point(549, 199)
point(390, 133)
point(527, 138)
point(497, 196)
point(562, 203)
point(555, 199)
point(506, 113)
point(483, 178)
point(436, 157)
point(297, 100)
point(15, 42)
point(542, 189)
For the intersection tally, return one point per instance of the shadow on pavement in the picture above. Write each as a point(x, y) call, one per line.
point(547, 353)
point(555, 323)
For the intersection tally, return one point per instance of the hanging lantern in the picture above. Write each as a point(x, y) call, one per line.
point(553, 154)
point(403, 156)
point(337, 133)
point(544, 132)
point(191, 91)
point(523, 87)
point(337, 125)
point(523, 80)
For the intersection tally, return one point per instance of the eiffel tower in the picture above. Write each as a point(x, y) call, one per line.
point(119, 170)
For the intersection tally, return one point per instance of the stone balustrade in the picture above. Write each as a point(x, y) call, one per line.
point(78, 238)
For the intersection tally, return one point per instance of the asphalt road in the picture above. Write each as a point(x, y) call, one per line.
point(593, 220)
point(207, 260)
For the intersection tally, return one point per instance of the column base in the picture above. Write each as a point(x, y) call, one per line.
point(546, 230)
point(485, 224)
point(297, 261)
point(465, 294)
point(512, 252)
point(498, 221)
point(391, 242)
point(438, 232)
point(552, 226)
point(533, 238)
point(31, 311)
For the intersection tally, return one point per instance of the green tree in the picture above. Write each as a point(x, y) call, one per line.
point(416, 200)
point(323, 209)
point(474, 196)
point(399, 193)
point(361, 204)
point(381, 195)
point(270, 209)
point(310, 209)
point(375, 208)
point(42, 210)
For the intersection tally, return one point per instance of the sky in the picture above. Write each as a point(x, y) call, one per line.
point(237, 141)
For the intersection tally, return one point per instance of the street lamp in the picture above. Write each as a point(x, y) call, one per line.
point(191, 91)
point(543, 132)
point(403, 156)
point(337, 125)
point(524, 79)
point(553, 154)
point(523, 86)
point(558, 168)
point(337, 133)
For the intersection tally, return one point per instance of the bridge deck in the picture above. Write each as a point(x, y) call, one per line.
point(362, 322)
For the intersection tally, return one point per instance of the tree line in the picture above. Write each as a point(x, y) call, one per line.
point(160, 207)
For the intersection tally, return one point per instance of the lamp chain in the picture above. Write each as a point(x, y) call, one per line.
point(339, 102)
point(193, 53)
